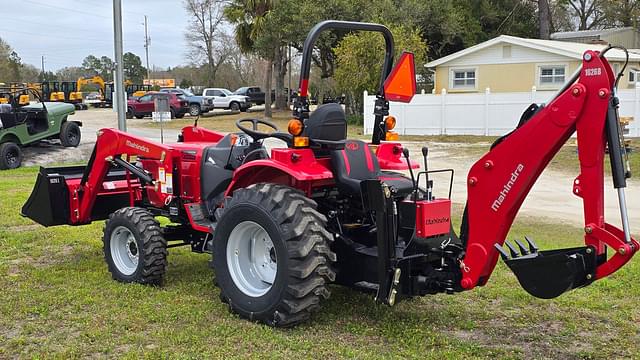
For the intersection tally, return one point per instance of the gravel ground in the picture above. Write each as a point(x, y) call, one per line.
point(551, 196)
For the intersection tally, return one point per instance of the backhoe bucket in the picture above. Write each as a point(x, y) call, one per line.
point(548, 274)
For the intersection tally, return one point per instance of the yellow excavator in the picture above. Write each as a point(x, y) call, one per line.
point(96, 80)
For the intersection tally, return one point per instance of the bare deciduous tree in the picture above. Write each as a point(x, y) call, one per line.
point(588, 14)
point(205, 35)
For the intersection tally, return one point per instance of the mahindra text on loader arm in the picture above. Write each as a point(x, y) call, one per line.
point(284, 224)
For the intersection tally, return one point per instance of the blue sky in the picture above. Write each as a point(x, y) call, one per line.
point(66, 31)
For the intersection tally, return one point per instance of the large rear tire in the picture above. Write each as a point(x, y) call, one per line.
point(134, 248)
point(70, 134)
point(10, 156)
point(271, 255)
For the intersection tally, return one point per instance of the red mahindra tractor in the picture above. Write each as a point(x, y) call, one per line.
point(283, 225)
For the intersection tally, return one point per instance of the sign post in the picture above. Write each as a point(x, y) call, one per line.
point(161, 111)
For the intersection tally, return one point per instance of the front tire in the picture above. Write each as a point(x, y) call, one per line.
point(10, 156)
point(234, 106)
point(134, 248)
point(272, 256)
point(70, 134)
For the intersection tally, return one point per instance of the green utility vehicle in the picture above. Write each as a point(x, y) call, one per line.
point(23, 123)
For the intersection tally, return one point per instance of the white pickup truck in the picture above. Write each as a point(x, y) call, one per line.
point(225, 99)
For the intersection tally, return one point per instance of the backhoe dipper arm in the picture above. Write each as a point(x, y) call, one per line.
point(111, 144)
point(500, 181)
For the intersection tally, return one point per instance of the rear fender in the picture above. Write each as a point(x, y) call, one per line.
point(297, 168)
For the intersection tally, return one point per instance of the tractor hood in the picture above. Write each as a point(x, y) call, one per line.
point(54, 108)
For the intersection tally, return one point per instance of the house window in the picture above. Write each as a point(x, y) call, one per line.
point(552, 75)
point(463, 79)
point(632, 76)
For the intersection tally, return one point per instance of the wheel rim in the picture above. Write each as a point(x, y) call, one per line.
point(235, 107)
point(72, 136)
point(124, 250)
point(11, 157)
point(251, 259)
point(194, 110)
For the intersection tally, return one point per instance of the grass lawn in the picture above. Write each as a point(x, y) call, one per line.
point(58, 300)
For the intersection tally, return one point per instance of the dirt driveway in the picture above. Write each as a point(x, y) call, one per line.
point(551, 196)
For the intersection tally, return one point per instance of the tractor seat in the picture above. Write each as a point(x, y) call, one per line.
point(356, 163)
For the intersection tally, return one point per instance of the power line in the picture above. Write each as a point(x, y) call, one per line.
point(80, 11)
point(31, 22)
point(66, 9)
point(49, 36)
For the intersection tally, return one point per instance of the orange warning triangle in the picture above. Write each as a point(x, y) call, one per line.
point(400, 85)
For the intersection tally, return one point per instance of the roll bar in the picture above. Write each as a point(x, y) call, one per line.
point(301, 107)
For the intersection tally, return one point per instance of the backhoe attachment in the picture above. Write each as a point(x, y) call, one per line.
point(500, 181)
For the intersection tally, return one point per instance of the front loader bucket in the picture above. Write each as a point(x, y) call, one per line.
point(548, 274)
point(48, 203)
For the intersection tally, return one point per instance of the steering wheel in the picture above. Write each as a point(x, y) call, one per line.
point(259, 135)
point(254, 133)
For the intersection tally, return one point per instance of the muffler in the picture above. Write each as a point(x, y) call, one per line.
point(548, 274)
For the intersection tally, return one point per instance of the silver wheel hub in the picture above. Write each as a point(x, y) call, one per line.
point(251, 259)
point(124, 250)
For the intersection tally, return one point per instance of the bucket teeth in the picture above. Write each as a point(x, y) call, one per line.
point(514, 253)
point(523, 249)
point(532, 245)
point(503, 253)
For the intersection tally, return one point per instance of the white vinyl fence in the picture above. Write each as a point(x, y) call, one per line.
point(479, 113)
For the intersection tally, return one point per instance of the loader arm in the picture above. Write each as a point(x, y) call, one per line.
point(112, 145)
point(501, 180)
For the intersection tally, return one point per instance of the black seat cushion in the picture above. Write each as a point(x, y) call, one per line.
point(356, 162)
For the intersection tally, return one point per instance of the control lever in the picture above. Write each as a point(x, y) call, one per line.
point(405, 152)
point(425, 153)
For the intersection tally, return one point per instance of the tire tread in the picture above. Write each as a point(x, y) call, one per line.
point(154, 245)
point(307, 242)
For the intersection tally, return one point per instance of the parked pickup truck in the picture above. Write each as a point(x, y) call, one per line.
point(225, 99)
point(254, 93)
point(197, 104)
